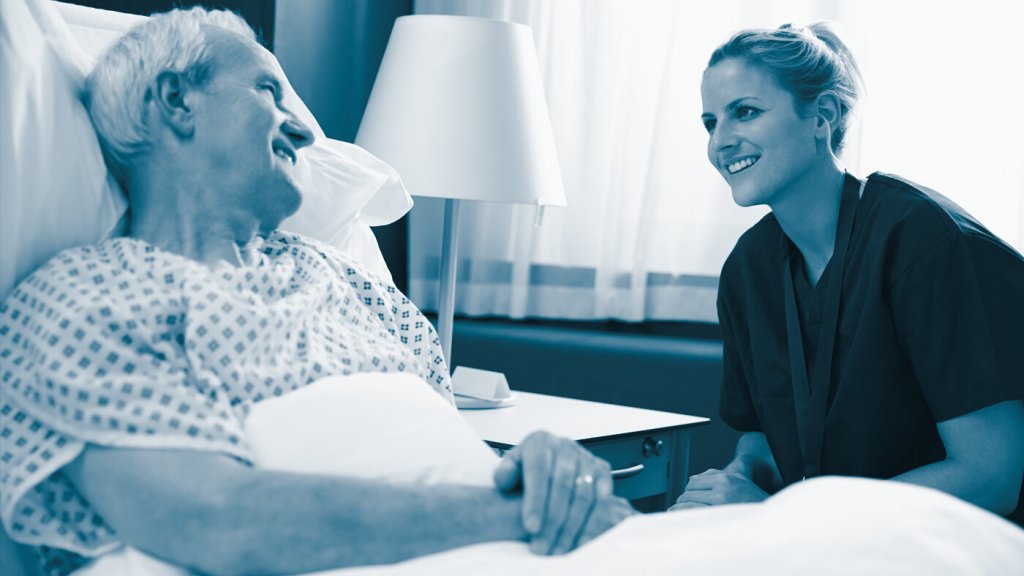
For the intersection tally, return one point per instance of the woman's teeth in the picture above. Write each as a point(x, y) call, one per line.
point(740, 165)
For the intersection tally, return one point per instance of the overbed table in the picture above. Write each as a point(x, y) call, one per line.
point(649, 450)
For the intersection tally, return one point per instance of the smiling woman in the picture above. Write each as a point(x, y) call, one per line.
point(759, 136)
point(896, 310)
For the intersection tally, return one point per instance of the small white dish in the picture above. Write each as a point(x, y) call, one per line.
point(470, 403)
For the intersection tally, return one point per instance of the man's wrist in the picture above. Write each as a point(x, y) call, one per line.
point(508, 509)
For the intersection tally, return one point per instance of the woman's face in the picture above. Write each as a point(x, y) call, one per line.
point(757, 138)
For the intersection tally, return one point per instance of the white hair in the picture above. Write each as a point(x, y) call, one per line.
point(117, 90)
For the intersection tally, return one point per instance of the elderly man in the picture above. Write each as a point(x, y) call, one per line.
point(130, 365)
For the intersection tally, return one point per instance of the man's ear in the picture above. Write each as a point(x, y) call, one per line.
point(172, 95)
point(828, 112)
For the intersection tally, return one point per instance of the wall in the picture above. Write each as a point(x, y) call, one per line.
point(330, 50)
point(258, 13)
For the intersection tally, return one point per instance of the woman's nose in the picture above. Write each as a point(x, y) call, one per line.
point(722, 137)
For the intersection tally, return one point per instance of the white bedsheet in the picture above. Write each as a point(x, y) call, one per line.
point(823, 526)
point(834, 526)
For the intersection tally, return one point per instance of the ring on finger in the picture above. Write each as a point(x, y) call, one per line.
point(584, 479)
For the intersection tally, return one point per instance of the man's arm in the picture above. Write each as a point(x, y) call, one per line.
point(984, 461)
point(567, 492)
point(751, 476)
point(212, 513)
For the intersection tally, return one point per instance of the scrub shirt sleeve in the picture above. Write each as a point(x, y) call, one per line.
point(737, 407)
point(944, 325)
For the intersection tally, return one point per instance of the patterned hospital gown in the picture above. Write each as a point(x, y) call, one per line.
point(123, 343)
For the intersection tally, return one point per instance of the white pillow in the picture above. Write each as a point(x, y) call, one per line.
point(343, 184)
point(55, 189)
point(387, 427)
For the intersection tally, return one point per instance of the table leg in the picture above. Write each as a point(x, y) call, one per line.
point(679, 469)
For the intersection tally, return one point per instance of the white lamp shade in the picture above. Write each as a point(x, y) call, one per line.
point(458, 110)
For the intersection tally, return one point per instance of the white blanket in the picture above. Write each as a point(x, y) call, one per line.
point(823, 526)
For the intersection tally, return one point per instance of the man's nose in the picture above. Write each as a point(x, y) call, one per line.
point(298, 132)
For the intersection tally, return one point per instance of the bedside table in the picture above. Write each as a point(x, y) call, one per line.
point(649, 450)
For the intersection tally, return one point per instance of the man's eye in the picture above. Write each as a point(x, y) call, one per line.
point(709, 125)
point(270, 88)
point(746, 112)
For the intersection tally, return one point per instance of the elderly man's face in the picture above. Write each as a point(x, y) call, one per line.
point(248, 140)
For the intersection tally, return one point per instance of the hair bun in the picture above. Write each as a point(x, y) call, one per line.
point(825, 32)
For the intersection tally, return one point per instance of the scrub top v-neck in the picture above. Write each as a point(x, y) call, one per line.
point(929, 329)
point(810, 375)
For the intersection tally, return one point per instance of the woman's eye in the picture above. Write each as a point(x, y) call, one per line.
point(743, 112)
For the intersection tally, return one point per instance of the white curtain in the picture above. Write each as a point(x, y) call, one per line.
point(649, 222)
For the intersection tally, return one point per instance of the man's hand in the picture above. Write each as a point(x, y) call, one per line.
point(567, 492)
point(715, 487)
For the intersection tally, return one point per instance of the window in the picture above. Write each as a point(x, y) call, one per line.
point(649, 221)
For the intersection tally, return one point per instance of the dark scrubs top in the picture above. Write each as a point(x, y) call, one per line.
point(931, 327)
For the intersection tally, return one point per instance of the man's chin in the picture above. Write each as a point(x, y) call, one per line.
point(271, 223)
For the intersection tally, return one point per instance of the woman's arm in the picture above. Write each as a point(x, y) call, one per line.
point(751, 476)
point(212, 513)
point(984, 462)
point(754, 460)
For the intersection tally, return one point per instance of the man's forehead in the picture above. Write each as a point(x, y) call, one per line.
point(235, 49)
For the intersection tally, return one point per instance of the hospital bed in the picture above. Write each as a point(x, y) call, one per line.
point(57, 193)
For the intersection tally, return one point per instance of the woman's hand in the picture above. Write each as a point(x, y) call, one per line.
point(715, 487)
point(567, 492)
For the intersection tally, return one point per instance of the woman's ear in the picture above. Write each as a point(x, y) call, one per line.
point(171, 95)
point(829, 114)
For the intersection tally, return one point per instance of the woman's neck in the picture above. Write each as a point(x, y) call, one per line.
point(808, 214)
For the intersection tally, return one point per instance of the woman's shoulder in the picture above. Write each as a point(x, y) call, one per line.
point(759, 244)
point(905, 203)
point(911, 222)
point(754, 261)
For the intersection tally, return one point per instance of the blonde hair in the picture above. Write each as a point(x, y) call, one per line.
point(806, 61)
point(117, 90)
